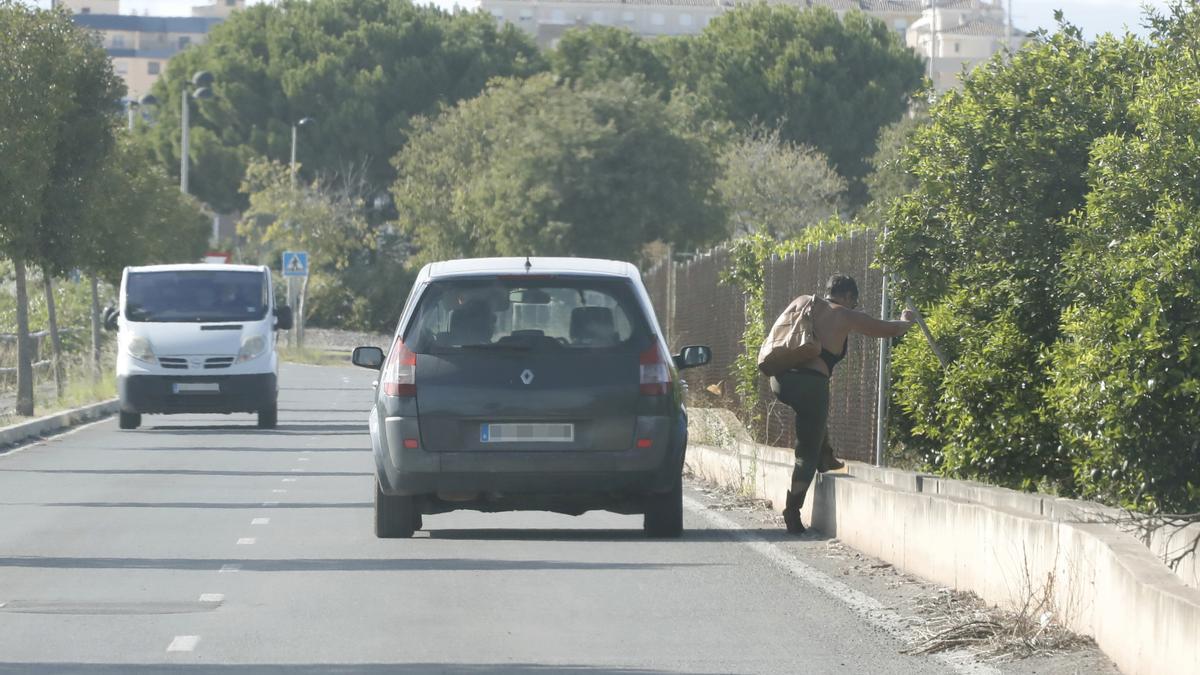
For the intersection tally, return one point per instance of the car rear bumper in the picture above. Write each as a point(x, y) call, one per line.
point(156, 394)
point(414, 471)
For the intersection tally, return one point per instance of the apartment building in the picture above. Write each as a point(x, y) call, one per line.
point(140, 46)
point(951, 34)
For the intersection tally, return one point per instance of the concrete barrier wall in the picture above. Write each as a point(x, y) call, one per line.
point(1005, 546)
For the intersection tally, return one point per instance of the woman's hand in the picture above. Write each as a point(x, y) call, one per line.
point(908, 315)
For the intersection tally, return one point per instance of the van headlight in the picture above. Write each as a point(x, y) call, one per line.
point(252, 348)
point(140, 349)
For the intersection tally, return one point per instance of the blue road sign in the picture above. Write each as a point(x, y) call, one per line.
point(295, 264)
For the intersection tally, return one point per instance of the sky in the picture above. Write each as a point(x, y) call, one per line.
point(1093, 16)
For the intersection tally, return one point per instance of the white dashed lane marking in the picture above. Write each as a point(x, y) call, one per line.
point(302, 459)
point(212, 597)
point(261, 521)
point(289, 480)
point(246, 541)
point(279, 491)
point(230, 568)
point(270, 503)
point(183, 643)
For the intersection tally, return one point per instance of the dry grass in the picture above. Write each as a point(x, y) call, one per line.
point(314, 357)
point(955, 621)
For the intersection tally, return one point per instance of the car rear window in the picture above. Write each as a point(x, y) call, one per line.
point(526, 314)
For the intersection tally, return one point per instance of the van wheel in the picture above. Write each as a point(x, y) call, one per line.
point(395, 517)
point(268, 417)
point(130, 420)
point(664, 513)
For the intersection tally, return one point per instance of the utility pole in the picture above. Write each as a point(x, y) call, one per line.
point(1008, 40)
point(933, 35)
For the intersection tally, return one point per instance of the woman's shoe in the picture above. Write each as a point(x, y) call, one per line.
point(791, 513)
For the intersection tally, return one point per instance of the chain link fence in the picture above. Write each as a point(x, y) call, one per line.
point(694, 307)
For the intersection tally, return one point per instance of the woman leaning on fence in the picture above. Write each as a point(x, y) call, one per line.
point(796, 356)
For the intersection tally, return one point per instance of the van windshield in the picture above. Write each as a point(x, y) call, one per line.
point(529, 315)
point(196, 295)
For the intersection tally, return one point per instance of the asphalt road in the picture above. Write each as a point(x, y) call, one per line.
point(201, 544)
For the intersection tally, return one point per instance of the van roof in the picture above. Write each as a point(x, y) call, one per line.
point(198, 267)
point(537, 266)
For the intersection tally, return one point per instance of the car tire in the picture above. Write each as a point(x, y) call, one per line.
point(395, 516)
point(129, 420)
point(664, 513)
point(268, 417)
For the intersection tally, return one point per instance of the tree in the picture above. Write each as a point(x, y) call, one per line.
point(890, 178)
point(57, 90)
point(360, 68)
point(547, 168)
point(595, 54)
point(979, 243)
point(776, 188)
point(325, 218)
point(1125, 384)
point(825, 82)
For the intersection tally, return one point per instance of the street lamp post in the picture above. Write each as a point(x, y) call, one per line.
point(202, 81)
point(303, 122)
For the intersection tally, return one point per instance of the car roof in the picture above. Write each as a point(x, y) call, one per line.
point(198, 267)
point(536, 266)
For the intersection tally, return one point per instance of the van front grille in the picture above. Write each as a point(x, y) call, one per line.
point(172, 362)
point(218, 362)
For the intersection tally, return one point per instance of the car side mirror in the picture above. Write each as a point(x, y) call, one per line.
point(111, 317)
point(283, 318)
point(368, 357)
point(693, 357)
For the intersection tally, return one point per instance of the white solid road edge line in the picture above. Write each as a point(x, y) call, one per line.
point(39, 442)
point(183, 643)
point(868, 608)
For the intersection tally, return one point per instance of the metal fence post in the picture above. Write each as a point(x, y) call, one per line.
point(885, 352)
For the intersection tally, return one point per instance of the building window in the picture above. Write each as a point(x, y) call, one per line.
point(900, 24)
point(558, 16)
point(152, 67)
point(499, 14)
point(231, 3)
point(658, 19)
point(118, 41)
point(85, 10)
point(526, 14)
point(121, 67)
point(184, 41)
point(628, 17)
point(957, 47)
point(598, 16)
point(685, 20)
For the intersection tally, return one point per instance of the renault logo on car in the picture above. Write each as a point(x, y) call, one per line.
point(527, 376)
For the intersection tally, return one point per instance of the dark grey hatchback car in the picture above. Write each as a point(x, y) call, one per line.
point(528, 384)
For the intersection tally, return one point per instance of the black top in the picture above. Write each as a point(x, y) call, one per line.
point(832, 359)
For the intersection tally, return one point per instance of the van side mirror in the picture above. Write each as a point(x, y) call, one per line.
point(692, 357)
point(368, 357)
point(283, 318)
point(110, 317)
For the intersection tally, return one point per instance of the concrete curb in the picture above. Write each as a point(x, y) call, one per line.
point(19, 433)
point(1003, 545)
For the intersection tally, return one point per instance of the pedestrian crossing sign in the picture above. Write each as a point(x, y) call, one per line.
point(295, 264)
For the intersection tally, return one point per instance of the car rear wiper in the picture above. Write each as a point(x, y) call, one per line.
point(496, 345)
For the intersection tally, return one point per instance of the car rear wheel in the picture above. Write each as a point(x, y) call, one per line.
point(268, 417)
point(664, 512)
point(395, 516)
point(130, 420)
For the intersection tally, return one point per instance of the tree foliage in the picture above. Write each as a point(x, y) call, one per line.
point(773, 187)
point(825, 82)
point(1051, 236)
point(547, 168)
point(1126, 374)
point(361, 68)
point(595, 54)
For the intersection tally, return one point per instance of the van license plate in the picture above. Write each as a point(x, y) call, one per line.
point(196, 388)
point(527, 433)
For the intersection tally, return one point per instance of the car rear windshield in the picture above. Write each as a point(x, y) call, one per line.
point(196, 295)
point(527, 314)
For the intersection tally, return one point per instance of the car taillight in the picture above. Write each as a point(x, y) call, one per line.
point(400, 372)
point(656, 374)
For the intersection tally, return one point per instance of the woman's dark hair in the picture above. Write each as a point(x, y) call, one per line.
point(840, 283)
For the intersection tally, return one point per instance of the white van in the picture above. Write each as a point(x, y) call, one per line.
point(197, 339)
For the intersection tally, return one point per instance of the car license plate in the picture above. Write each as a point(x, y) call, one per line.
point(196, 388)
point(527, 433)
